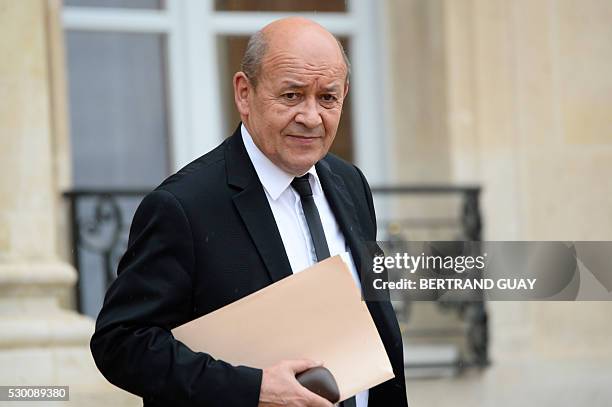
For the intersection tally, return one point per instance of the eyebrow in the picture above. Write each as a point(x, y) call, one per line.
point(292, 84)
point(300, 85)
point(332, 88)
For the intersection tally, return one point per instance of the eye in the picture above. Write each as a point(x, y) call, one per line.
point(328, 97)
point(291, 95)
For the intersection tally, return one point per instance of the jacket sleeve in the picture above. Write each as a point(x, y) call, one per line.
point(133, 346)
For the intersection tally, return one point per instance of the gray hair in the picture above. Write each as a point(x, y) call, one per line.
point(256, 50)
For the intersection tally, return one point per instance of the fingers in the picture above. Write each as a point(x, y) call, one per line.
point(280, 387)
point(299, 365)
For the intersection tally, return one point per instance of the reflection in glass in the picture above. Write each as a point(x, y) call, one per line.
point(119, 124)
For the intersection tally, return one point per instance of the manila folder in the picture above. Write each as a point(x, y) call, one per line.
point(315, 314)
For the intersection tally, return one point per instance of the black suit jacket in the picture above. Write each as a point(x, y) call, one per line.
point(204, 238)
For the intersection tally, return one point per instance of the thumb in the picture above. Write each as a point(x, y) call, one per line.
point(300, 365)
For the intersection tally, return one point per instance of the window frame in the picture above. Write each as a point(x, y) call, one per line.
point(194, 107)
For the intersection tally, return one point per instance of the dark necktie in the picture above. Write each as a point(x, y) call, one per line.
point(313, 220)
point(302, 187)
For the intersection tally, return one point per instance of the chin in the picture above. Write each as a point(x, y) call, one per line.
point(300, 168)
point(300, 163)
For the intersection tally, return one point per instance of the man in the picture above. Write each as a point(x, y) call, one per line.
point(267, 202)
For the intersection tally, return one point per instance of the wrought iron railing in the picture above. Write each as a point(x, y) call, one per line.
point(99, 224)
point(464, 224)
point(468, 219)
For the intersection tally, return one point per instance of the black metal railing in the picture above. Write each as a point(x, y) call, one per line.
point(464, 224)
point(99, 224)
point(468, 219)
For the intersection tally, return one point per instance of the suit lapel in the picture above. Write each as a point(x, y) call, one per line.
point(345, 212)
point(252, 205)
point(343, 208)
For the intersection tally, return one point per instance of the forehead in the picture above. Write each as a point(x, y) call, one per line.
point(282, 68)
point(304, 53)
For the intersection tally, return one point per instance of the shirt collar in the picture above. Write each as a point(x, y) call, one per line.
point(274, 180)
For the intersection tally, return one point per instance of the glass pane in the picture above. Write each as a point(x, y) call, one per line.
point(119, 124)
point(231, 49)
point(145, 4)
point(282, 5)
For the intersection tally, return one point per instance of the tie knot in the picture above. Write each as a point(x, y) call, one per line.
point(302, 185)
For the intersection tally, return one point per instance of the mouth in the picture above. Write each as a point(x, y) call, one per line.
point(302, 139)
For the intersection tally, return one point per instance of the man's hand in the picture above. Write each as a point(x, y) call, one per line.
point(279, 387)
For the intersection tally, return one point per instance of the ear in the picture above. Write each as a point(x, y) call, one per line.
point(346, 89)
point(242, 87)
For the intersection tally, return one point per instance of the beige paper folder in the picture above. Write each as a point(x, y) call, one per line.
point(315, 314)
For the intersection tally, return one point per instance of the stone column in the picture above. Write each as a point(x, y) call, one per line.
point(528, 87)
point(41, 341)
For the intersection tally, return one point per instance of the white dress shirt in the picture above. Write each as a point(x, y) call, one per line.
point(289, 216)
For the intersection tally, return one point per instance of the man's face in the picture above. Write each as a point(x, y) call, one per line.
point(294, 111)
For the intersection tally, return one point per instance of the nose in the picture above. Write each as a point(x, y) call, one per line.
point(309, 114)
